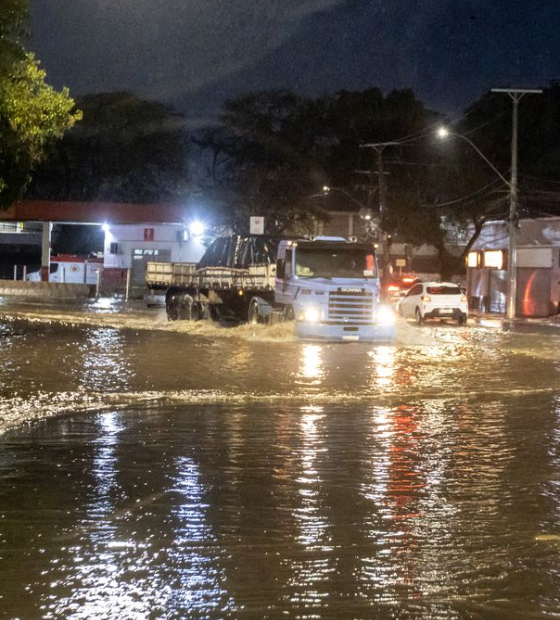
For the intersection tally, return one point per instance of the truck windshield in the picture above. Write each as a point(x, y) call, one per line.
point(345, 262)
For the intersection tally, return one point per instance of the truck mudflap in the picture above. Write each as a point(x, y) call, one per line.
point(345, 333)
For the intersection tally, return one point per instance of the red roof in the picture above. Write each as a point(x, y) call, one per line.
point(94, 212)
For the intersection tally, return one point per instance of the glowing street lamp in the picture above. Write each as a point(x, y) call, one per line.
point(196, 228)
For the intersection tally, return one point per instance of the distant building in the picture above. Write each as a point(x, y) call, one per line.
point(130, 246)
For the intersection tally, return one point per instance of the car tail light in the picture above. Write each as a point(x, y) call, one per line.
point(426, 298)
point(464, 298)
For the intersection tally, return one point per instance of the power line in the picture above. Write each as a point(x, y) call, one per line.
point(528, 176)
point(471, 195)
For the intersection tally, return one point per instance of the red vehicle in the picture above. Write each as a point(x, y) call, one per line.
point(395, 287)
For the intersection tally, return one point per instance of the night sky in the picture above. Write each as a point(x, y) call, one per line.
point(195, 53)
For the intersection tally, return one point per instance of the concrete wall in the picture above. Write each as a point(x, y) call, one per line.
point(44, 290)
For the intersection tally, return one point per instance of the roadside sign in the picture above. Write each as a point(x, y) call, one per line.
point(256, 226)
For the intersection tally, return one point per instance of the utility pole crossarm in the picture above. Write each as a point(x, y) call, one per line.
point(520, 91)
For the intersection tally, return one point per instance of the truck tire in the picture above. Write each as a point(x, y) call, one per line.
point(189, 309)
point(182, 307)
point(289, 314)
point(172, 306)
point(253, 315)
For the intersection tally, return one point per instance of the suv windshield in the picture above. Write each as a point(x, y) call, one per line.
point(345, 262)
point(444, 290)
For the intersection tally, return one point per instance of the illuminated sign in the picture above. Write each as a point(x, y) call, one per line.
point(494, 259)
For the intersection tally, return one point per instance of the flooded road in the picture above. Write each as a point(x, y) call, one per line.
point(190, 471)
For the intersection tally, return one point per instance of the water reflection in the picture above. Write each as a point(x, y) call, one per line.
point(105, 364)
point(384, 366)
point(312, 566)
point(311, 366)
point(199, 585)
point(406, 482)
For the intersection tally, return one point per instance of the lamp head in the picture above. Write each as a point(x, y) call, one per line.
point(442, 133)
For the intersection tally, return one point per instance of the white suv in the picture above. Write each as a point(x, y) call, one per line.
point(434, 300)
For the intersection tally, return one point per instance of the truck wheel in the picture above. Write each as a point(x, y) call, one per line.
point(189, 309)
point(289, 314)
point(172, 307)
point(253, 315)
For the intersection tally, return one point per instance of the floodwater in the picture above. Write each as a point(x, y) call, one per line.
point(167, 471)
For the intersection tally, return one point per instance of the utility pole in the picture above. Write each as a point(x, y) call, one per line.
point(379, 147)
point(516, 95)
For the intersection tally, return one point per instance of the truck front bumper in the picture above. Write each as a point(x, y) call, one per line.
point(370, 332)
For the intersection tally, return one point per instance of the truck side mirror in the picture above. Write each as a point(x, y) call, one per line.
point(280, 268)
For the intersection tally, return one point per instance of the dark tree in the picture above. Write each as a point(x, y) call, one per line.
point(264, 159)
point(125, 149)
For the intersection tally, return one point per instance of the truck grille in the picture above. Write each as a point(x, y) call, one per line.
point(351, 306)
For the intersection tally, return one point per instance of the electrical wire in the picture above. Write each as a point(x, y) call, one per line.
point(480, 190)
point(528, 176)
point(420, 133)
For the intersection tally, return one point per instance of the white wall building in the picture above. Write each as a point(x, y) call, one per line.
point(130, 246)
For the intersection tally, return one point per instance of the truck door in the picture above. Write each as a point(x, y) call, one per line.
point(285, 285)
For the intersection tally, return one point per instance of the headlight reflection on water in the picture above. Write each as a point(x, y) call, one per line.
point(383, 358)
point(311, 367)
point(311, 570)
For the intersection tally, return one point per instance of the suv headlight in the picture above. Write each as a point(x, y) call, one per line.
point(385, 315)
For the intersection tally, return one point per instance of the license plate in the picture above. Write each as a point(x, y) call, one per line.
point(350, 337)
point(446, 311)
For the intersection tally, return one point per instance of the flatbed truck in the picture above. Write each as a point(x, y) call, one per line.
point(329, 286)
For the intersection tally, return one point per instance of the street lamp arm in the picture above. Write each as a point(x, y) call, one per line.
point(481, 154)
point(328, 189)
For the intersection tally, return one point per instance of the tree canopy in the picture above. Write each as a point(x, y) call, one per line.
point(13, 22)
point(275, 150)
point(264, 159)
point(32, 113)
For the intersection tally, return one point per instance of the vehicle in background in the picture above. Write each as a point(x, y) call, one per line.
point(395, 287)
point(70, 269)
point(328, 286)
point(434, 300)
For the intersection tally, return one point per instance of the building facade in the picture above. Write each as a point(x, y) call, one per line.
point(538, 268)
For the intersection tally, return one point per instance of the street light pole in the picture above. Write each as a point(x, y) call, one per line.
point(516, 95)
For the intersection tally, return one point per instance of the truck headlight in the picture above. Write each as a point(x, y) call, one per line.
point(311, 315)
point(385, 315)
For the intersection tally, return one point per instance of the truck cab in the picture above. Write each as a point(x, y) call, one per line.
point(330, 287)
